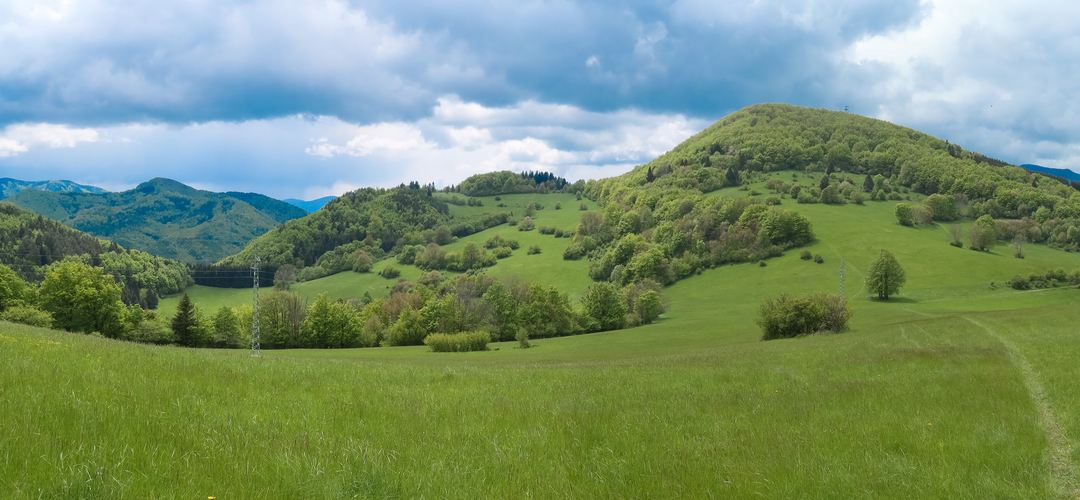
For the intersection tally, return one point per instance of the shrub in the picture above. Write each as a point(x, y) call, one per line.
point(458, 342)
point(558, 206)
point(858, 198)
point(523, 338)
point(533, 250)
point(498, 198)
point(772, 200)
point(788, 316)
point(1019, 283)
point(364, 262)
point(805, 196)
point(27, 315)
point(574, 252)
point(502, 252)
point(526, 224)
point(761, 263)
point(819, 259)
point(583, 207)
point(390, 272)
point(904, 214)
point(512, 221)
point(805, 255)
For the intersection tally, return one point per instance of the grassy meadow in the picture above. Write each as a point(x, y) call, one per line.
point(953, 389)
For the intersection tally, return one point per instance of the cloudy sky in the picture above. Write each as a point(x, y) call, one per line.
point(304, 99)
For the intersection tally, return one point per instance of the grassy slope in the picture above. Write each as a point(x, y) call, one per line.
point(571, 277)
point(924, 397)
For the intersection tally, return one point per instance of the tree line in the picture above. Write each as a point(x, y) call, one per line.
point(31, 244)
point(435, 304)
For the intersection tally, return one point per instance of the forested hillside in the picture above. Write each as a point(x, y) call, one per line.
point(366, 223)
point(506, 182)
point(10, 186)
point(165, 218)
point(771, 137)
point(30, 244)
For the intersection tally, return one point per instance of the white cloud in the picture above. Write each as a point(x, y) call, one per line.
point(996, 78)
point(528, 136)
point(20, 138)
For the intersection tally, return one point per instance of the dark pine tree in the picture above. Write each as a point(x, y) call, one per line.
point(868, 184)
point(184, 323)
point(824, 182)
point(649, 177)
point(733, 177)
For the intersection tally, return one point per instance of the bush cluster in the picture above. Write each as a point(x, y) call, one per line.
point(1052, 278)
point(789, 316)
point(458, 342)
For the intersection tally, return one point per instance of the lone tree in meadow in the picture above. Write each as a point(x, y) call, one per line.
point(185, 322)
point(886, 276)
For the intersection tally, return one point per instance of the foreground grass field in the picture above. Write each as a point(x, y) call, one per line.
point(955, 389)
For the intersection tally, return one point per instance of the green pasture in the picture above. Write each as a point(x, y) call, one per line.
point(954, 389)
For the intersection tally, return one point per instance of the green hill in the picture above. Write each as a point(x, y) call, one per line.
point(165, 217)
point(9, 186)
point(954, 389)
point(959, 386)
point(30, 244)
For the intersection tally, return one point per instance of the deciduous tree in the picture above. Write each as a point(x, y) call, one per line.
point(885, 276)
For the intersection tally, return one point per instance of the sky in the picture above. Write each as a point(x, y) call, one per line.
point(303, 99)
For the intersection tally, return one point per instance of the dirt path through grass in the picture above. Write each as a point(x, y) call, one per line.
point(1061, 467)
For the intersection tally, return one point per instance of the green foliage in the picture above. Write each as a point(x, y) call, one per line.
point(805, 254)
point(330, 325)
point(375, 218)
point(943, 208)
point(983, 233)
point(185, 323)
point(458, 342)
point(27, 315)
point(30, 243)
point(819, 259)
point(82, 299)
point(389, 272)
point(165, 218)
point(603, 308)
point(648, 306)
point(506, 182)
point(904, 215)
point(227, 330)
point(789, 316)
point(12, 288)
point(533, 250)
point(885, 276)
point(526, 224)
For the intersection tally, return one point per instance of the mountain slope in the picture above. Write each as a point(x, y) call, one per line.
point(165, 217)
point(310, 206)
point(9, 186)
point(29, 243)
point(770, 137)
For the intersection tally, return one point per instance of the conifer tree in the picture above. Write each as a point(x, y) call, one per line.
point(185, 322)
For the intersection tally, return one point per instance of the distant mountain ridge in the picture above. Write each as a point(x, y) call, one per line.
point(165, 217)
point(1064, 173)
point(9, 186)
point(310, 206)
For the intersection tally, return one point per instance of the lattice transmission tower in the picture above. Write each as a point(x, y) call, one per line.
point(842, 277)
point(255, 342)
